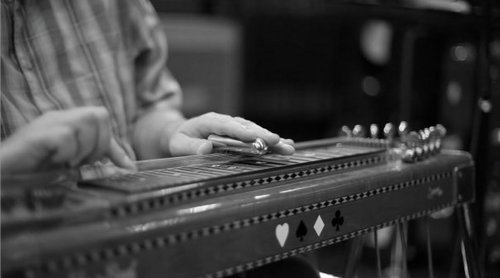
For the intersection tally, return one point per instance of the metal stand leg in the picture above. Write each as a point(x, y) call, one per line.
point(398, 266)
point(429, 248)
point(468, 244)
point(455, 259)
point(402, 230)
point(354, 255)
point(379, 263)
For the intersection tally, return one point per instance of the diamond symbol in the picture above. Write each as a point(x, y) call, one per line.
point(319, 225)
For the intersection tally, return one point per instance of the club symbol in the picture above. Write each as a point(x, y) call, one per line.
point(338, 220)
point(301, 231)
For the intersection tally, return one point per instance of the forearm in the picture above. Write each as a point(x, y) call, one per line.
point(10, 157)
point(152, 132)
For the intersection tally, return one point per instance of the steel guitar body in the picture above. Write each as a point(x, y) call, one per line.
point(220, 214)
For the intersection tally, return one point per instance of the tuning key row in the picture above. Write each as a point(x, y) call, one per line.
point(388, 132)
point(415, 145)
point(418, 145)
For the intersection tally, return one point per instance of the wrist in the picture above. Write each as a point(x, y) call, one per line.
point(169, 128)
point(152, 132)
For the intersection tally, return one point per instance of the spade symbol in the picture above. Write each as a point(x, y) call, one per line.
point(338, 220)
point(301, 231)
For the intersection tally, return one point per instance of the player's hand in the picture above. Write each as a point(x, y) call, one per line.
point(60, 139)
point(189, 137)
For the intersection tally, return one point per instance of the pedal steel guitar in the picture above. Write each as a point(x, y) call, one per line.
point(223, 213)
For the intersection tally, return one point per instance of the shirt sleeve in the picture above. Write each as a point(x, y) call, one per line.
point(154, 84)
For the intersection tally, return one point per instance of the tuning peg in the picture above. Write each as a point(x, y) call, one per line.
point(441, 129)
point(433, 138)
point(413, 147)
point(419, 150)
point(403, 129)
point(424, 137)
point(374, 131)
point(389, 131)
point(358, 131)
point(441, 133)
point(345, 131)
point(420, 145)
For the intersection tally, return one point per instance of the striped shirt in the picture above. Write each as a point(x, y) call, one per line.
point(59, 54)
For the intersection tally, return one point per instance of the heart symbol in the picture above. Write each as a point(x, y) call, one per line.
point(282, 233)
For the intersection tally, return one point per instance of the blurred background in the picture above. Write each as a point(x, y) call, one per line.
point(304, 68)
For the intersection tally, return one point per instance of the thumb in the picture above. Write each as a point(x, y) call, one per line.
point(182, 144)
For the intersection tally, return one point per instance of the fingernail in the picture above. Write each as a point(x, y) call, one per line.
point(287, 149)
point(287, 141)
point(204, 148)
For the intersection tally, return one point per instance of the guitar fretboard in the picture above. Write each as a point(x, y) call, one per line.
point(216, 166)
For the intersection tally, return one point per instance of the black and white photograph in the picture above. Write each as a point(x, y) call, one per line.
point(250, 139)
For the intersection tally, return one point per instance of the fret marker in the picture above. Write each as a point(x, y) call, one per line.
point(319, 225)
point(301, 232)
point(338, 220)
point(282, 233)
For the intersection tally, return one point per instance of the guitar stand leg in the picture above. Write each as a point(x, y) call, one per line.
point(402, 231)
point(468, 244)
point(377, 254)
point(429, 247)
point(353, 258)
point(398, 267)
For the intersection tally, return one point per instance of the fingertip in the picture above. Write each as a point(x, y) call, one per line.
point(288, 149)
point(287, 141)
point(100, 112)
point(128, 164)
point(283, 148)
point(119, 157)
point(204, 148)
point(273, 136)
